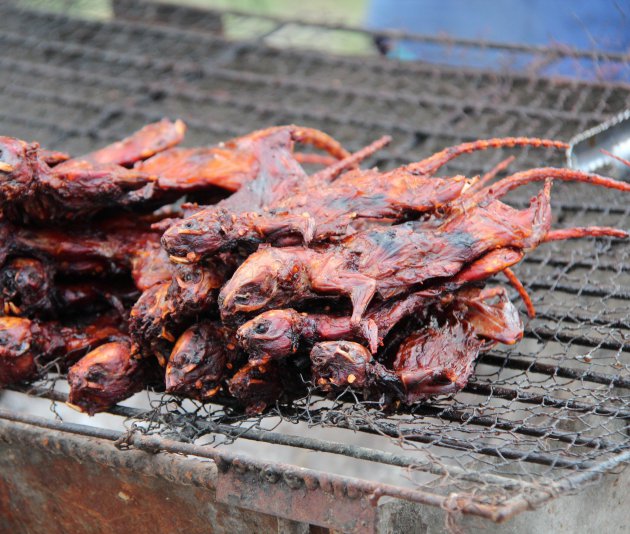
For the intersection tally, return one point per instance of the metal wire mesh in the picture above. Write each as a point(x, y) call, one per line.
point(533, 417)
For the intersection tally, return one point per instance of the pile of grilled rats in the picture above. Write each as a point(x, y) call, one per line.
point(232, 271)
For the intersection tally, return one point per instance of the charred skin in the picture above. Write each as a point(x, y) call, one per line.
point(108, 247)
point(32, 190)
point(388, 261)
point(150, 265)
point(439, 359)
point(318, 214)
point(162, 312)
point(24, 343)
point(338, 365)
point(497, 321)
point(436, 361)
point(202, 357)
point(279, 333)
point(105, 376)
point(236, 162)
point(337, 210)
point(141, 145)
point(256, 386)
point(28, 289)
point(275, 176)
point(114, 246)
point(230, 166)
point(17, 357)
point(275, 334)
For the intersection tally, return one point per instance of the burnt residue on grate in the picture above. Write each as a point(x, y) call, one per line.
point(537, 419)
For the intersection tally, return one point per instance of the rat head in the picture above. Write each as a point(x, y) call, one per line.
point(200, 359)
point(17, 360)
point(269, 278)
point(25, 287)
point(18, 166)
point(103, 377)
point(256, 386)
point(202, 234)
point(338, 364)
point(275, 333)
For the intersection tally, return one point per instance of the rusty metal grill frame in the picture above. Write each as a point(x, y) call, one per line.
point(74, 84)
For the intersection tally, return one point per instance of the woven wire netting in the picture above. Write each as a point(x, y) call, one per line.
point(533, 414)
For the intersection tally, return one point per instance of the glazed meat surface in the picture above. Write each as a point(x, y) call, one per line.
point(290, 281)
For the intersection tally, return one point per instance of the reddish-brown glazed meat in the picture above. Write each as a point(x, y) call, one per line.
point(110, 244)
point(114, 246)
point(490, 314)
point(32, 190)
point(390, 261)
point(150, 264)
point(141, 145)
point(341, 364)
point(160, 315)
point(161, 312)
point(106, 376)
point(28, 289)
point(52, 157)
point(277, 334)
point(17, 359)
point(25, 342)
point(322, 213)
point(438, 360)
point(435, 359)
point(256, 386)
point(279, 178)
point(202, 357)
point(374, 283)
point(235, 163)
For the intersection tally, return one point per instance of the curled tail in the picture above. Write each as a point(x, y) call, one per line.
point(431, 164)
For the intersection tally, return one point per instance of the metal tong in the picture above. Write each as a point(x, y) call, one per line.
point(613, 136)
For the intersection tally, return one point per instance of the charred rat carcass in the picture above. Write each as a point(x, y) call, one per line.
point(340, 279)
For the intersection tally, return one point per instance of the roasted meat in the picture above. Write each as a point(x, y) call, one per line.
point(27, 344)
point(391, 261)
point(161, 313)
point(278, 333)
point(32, 190)
point(436, 358)
point(257, 386)
point(105, 376)
point(204, 355)
point(320, 211)
point(344, 279)
point(235, 163)
point(28, 288)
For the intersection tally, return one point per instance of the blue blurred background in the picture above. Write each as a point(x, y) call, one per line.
point(602, 25)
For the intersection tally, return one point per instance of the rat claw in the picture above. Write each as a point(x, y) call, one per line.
point(369, 331)
point(307, 230)
point(179, 259)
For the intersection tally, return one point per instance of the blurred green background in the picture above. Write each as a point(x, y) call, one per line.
point(349, 12)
